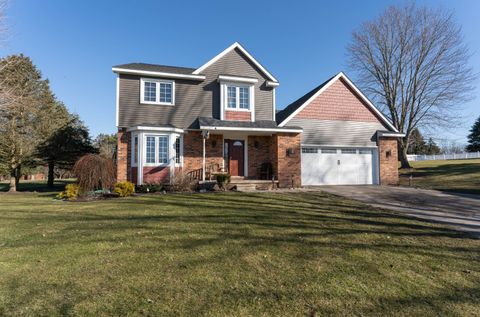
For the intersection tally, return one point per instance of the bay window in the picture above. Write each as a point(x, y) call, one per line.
point(156, 150)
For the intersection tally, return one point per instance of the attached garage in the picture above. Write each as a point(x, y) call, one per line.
point(345, 139)
point(339, 166)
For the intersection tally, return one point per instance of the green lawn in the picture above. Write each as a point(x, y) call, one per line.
point(229, 254)
point(461, 176)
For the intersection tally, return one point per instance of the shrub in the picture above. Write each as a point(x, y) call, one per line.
point(124, 189)
point(70, 193)
point(149, 188)
point(93, 172)
point(223, 180)
point(181, 182)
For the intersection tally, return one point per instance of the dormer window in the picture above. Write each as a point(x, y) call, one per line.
point(157, 91)
point(238, 97)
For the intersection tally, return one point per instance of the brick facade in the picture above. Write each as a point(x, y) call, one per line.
point(193, 151)
point(388, 160)
point(259, 152)
point(153, 174)
point(338, 102)
point(123, 157)
point(287, 166)
point(238, 115)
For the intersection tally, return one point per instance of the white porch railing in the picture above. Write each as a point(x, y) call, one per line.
point(434, 157)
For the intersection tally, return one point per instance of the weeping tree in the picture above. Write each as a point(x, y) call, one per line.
point(412, 61)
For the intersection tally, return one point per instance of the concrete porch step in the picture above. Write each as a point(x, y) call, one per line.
point(242, 184)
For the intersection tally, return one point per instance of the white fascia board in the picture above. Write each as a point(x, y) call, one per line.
point(156, 74)
point(334, 79)
point(237, 79)
point(226, 51)
point(157, 129)
point(391, 135)
point(250, 129)
point(272, 84)
point(117, 102)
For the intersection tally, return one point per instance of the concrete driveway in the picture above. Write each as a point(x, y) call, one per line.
point(462, 212)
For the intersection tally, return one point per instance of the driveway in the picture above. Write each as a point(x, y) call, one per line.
point(462, 212)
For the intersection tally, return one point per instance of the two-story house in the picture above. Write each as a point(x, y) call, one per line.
point(222, 116)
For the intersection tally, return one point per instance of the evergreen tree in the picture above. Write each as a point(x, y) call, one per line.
point(474, 137)
point(65, 146)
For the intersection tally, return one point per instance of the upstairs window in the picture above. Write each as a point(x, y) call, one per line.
point(238, 97)
point(155, 91)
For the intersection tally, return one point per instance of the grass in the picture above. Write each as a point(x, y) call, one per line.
point(229, 254)
point(461, 176)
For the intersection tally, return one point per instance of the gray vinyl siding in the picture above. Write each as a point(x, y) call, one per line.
point(340, 133)
point(193, 99)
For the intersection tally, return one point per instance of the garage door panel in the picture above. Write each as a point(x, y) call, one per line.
point(350, 166)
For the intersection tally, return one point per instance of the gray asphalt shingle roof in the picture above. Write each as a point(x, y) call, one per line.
point(261, 124)
point(157, 68)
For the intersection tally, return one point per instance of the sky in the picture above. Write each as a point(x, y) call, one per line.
point(302, 43)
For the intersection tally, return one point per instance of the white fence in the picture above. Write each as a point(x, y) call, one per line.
point(454, 156)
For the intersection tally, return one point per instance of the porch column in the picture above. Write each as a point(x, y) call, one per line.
point(140, 159)
point(203, 158)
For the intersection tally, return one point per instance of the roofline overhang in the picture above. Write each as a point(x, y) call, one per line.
point(237, 79)
point(272, 83)
point(156, 129)
point(390, 134)
point(210, 128)
point(119, 70)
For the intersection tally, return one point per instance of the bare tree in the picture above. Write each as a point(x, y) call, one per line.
point(413, 62)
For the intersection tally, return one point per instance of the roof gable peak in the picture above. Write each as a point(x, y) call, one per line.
point(232, 47)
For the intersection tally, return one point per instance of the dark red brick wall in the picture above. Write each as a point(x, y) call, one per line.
point(388, 159)
point(259, 152)
point(123, 155)
point(153, 174)
point(287, 167)
point(338, 102)
point(238, 115)
point(193, 151)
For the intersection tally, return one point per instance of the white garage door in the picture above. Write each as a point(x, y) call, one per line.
point(338, 166)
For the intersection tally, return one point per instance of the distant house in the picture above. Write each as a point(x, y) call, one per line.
point(222, 117)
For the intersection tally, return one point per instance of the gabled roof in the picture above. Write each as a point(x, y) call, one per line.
point(235, 45)
point(156, 68)
point(291, 108)
point(298, 105)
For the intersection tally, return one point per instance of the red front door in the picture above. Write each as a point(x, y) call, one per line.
point(236, 157)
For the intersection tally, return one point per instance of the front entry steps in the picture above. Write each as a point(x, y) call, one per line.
point(243, 184)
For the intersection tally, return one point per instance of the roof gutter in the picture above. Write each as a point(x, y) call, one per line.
point(157, 74)
point(209, 128)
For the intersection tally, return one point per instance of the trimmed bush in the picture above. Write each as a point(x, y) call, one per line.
point(223, 180)
point(124, 189)
point(149, 188)
point(182, 182)
point(70, 193)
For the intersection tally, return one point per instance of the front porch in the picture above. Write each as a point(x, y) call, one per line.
point(255, 152)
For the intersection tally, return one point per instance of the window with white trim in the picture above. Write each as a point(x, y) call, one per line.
point(135, 150)
point(178, 150)
point(238, 97)
point(156, 149)
point(156, 91)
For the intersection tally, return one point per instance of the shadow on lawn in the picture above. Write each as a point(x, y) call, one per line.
point(298, 227)
point(36, 186)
